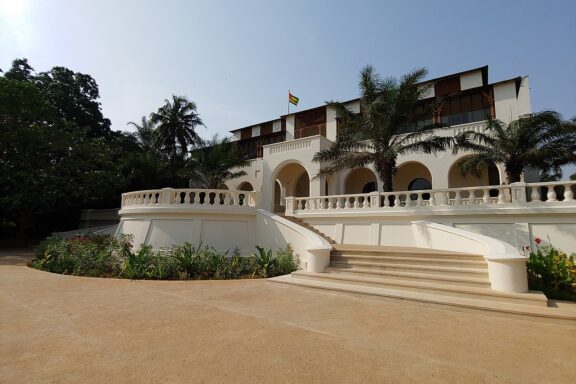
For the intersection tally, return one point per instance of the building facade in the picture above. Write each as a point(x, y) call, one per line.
point(281, 150)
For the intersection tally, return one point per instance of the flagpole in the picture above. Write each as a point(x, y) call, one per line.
point(288, 101)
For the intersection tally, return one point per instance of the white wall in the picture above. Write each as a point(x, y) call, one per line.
point(505, 101)
point(524, 99)
point(515, 226)
point(471, 80)
point(223, 231)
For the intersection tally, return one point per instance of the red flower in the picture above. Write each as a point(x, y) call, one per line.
point(537, 240)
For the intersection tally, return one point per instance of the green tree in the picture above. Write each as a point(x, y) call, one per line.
point(75, 96)
point(392, 122)
point(20, 70)
point(145, 134)
point(215, 161)
point(176, 122)
point(542, 141)
point(48, 164)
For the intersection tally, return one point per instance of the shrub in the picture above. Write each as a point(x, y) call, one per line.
point(286, 261)
point(137, 263)
point(187, 259)
point(265, 262)
point(106, 256)
point(553, 272)
point(53, 255)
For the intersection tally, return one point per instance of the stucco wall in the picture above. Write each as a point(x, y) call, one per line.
point(514, 226)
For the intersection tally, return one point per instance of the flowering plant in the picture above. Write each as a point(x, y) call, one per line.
point(552, 271)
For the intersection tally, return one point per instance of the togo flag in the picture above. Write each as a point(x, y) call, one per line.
point(293, 99)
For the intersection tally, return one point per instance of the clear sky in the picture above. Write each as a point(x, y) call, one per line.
point(237, 59)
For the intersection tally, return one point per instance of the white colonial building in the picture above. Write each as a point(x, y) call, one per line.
point(281, 150)
point(439, 237)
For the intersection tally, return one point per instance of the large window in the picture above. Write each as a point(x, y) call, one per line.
point(310, 123)
point(468, 108)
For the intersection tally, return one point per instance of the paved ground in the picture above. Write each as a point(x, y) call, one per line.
point(62, 329)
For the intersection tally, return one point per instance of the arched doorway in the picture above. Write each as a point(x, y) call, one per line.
point(291, 179)
point(245, 186)
point(488, 174)
point(360, 180)
point(411, 176)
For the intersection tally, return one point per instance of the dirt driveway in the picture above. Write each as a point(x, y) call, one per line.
point(62, 329)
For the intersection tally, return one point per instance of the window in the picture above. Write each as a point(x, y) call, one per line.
point(467, 108)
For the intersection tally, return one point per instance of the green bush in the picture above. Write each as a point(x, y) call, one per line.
point(286, 261)
point(553, 272)
point(187, 259)
point(106, 256)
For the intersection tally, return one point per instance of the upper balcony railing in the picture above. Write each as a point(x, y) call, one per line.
point(311, 130)
point(191, 198)
point(533, 194)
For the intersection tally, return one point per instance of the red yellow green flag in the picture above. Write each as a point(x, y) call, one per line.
point(293, 99)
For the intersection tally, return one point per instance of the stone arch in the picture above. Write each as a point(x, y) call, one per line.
point(360, 180)
point(489, 175)
point(290, 178)
point(408, 174)
point(245, 186)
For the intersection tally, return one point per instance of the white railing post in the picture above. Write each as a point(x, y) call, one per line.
point(374, 199)
point(568, 194)
point(289, 205)
point(166, 196)
point(518, 193)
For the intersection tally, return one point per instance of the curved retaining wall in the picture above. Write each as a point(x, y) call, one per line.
point(220, 219)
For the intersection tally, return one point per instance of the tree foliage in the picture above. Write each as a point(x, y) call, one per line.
point(391, 123)
point(542, 141)
point(213, 162)
point(176, 122)
point(57, 152)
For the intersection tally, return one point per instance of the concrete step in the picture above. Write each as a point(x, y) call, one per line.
point(420, 255)
point(371, 250)
point(395, 259)
point(439, 287)
point(532, 311)
point(420, 276)
point(439, 270)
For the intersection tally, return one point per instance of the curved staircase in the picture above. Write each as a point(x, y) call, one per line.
point(426, 275)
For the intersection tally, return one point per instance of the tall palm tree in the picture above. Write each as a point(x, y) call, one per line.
point(145, 134)
point(213, 162)
point(542, 141)
point(176, 123)
point(390, 124)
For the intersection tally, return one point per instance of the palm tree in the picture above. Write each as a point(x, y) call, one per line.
point(391, 123)
point(176, 120)
point(212, 162)
point(542, 141)
point(145, 134)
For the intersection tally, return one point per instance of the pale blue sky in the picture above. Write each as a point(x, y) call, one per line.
point(237, 59)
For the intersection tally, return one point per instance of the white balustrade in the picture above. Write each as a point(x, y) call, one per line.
point(292, 145)
point(561, 192)
point(551, 192)
point(214, 198)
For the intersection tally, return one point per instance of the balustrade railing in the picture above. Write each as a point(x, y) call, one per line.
point(516, 193)
point(551, 191)
point(214, 198)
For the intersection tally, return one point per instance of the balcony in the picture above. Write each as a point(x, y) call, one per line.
point(311, 130)
point(252, 147)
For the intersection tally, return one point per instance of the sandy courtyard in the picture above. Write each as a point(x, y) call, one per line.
point(62, 329)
